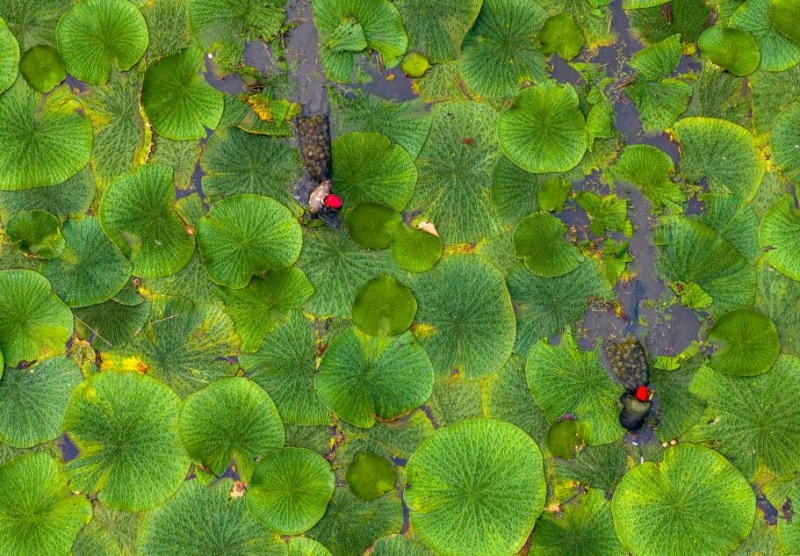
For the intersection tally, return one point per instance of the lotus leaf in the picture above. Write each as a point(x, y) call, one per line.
point(168, 26)
point(301, 546)
point(43, 141)
point(775, 294)
point(372, 225)
point(398, 545)
point(34, 22)
point(649, 169)
point(734, 49)
point(206, 520)
point(136, 213)
point(501, 51)
point(111, 323)
point(784, 15)
point(91, 269)
point(43, 68)
point(778, 233)
point(177, 99)
point(70, 198)
point(36, 233)
point(562, 35)
point(694, 501)
point(290, 490)
point(125, 426)
point(414, 249)
point(658, 60)
point(230, 419)
point(544, 130)
point(778, 52)
point(539, 241)
point(506, 396)
point(748, 343)
point(475, 488)
point(464, 320)
point(9, 57)
point(370, 476)
point(38, 513)
point(437, 28)
point(369, 168)
point(33, 400)
point(33, 321)
point(97, 34)
point(384, 307)
point(362, 378)
point(246, 234)
point(784, 141)
point(659, 103)
point(688, 18)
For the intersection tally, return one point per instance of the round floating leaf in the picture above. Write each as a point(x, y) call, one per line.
point(231, 418)
point(784, 142)
point(97, 35)
point(414, 249)
point(372, 226)
point(399, 545)
point(362, 377)
point(91, 269)
point(177, 99)
point(752, 420)
point(562, 35)
point(33, 320)
point(693, 502)
point(9, 57)
point(125, 426)
point(384, 307)
point(301, 546)
point(38, 513)
point(37, 233)
point(778, 234)
point(501, 51)
point(784, 15)
point(778, 51)
point(206, 520)
point(290, 490)
point(564, 379)
point(585, 527)
point(33, 400)
point(649, 169)
point(437, 27)
point(544, 130)
point(747, 342)
point(43, 141)
point(136, 212)
point(465, 320)
point(565, 438)
point(539, 241)
point(369, 168)
point(733, 49)
point(658, 60)
point(258, 308)
point(246, 234)
point(370, 476)
point(43, 68)
point(475, 488)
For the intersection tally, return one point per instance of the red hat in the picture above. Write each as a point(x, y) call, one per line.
point(333, 201)
point(642, 394)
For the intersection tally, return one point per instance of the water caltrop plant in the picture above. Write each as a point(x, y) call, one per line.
point(399, 277)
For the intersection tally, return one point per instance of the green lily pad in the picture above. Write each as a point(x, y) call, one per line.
point(539, 241)
point(692, 502)
point(33, 400)
point(372, 225)
point(475, 488)
point(9, 57)
point(125, 426)
point(783, 141)
point(398, 545)
point(177, 99)
point(38, 513)
point(91, 269)
point(501, 51)
point(43, 68)
point(349, 27)
point(33, 321)
point(97, 35)
point(230, 419)
point(70, 198)
point(369, 168)
point(414, 249)
point(658, 60)
point(586, 528)
point(565, 438)
point(748, 343)
point(206, 520)
point(370, 476)
point(567, 380)
point(384, 307)
point(784, 15)
point(111, 323)
point(777, 234)
point(290, 490)
point(265, 303)
point(43, 140)
point(226, 26)
point(659, 103)
point(301, 546)
point(464, 320)
point(246, 234)
point(544, 130)
point(285, 366)
point(436, 28)
point(560, 34)
point(734, 49)
point(778, 51)
point(649, 169)
point(137, 214)
point(737, 425)
point(36, 233)
point(776, 293)
point(362, 378)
